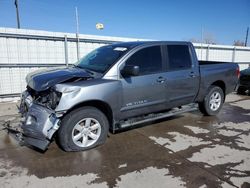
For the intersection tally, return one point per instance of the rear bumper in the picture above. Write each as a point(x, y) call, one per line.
point(39, 126)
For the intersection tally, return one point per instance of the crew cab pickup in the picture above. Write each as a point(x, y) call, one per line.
point(118, 86)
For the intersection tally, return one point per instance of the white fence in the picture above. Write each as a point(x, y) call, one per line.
point(22, 51)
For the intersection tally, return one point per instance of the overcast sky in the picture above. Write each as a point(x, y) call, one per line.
point(224, 20)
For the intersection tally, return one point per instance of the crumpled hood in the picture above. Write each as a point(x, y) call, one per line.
point(43, 79)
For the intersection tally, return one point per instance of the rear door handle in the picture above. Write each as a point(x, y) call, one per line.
point(161, 79)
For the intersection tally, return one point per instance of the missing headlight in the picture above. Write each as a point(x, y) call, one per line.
point(54, 99)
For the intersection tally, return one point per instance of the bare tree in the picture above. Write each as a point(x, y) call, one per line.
point(194, 40)
point(209, 38)
point(238, 43)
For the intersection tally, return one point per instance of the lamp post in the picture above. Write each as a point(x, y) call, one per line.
point(77, 35)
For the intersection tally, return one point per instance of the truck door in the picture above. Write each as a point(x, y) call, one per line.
point(144, 93)
point(182, 76)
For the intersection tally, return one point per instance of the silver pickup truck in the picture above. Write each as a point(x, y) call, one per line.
point(118, 86)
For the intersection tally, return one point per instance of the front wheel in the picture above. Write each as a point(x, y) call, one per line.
point(213, 101)
point(83, 129)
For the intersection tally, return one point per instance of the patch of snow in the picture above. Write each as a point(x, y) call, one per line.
point(10, 99)
point(17, 177)
point(245, 165)
point(160, 140)
point(57, 182)
point(226, 185)
point(245, 104)
point(123, 165)
point(217, 139)
point(238, 181)
point(203, 186)
point(235, 172)
point(232, 97)
point(150, 177)
point(244, 126)
point(197, 130)
point(220, 154)
point(181, 141)
point(227, 132)
point(243, 141)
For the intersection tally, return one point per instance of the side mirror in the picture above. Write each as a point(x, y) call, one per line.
point(130, 70)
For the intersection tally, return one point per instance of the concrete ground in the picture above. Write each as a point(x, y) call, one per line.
point(189, 150)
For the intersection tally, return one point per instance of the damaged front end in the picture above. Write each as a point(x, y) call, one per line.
point(41, 120)
point(40, 101)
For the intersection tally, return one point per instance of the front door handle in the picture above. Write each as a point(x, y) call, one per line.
point(161, 79)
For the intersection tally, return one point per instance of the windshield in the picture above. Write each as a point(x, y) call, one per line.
point(101, 59)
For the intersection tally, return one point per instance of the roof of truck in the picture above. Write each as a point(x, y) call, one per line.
point(138, 43)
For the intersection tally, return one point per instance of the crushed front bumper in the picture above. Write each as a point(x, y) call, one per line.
point(39, 125)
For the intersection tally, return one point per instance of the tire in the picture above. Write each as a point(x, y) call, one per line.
point(241, 90)
point(88, 125)
point(213, 101)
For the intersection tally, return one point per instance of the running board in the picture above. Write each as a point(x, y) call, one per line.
point(153, 117)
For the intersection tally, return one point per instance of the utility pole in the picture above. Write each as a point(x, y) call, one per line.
point(77, 35)
point(246, 36)
point(66, 50)
point(17, 14)
point(201, 41)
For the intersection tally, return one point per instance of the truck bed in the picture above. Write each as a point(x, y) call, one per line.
point(216, 71)
point(212, 62)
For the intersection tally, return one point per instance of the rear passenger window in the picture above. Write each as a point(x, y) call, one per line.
point(178, 57)
point(148, 59)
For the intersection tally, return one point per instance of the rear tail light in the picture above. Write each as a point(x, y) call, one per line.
point(238, 72)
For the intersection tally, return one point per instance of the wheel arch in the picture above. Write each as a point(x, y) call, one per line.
point(203, 104)
point(220, 84)
point(100, 105)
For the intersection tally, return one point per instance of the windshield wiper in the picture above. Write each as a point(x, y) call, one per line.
point(73, 65)
point(89, 71)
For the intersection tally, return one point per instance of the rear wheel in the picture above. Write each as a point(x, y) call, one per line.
point(213, 101)
point(83, 129)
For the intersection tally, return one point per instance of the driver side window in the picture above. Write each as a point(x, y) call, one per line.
point(148, 59)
